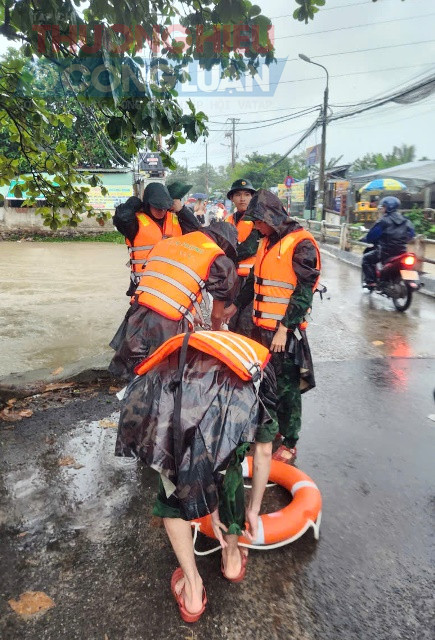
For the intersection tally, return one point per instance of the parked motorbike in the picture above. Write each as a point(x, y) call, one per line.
point(396, 279)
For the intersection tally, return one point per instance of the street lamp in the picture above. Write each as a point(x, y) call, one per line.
point(321, 192)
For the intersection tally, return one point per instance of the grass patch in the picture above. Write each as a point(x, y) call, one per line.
point(108, 236)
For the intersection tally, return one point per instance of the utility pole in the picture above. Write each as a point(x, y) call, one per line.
point(321, 192)
point(232, 134)
point(206, 169)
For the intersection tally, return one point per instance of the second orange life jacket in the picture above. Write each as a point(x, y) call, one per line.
point(175, 274)
point(244, 229)
point(244, 356)
point(275, 278)
point(148, 235)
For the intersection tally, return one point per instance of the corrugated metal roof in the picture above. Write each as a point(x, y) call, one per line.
point(420, 173)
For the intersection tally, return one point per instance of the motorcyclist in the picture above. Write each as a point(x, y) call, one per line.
point(390, 235)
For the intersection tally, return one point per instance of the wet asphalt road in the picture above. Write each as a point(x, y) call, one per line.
point(367, 441)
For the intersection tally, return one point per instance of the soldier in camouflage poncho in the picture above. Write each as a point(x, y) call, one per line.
point(291, 356)
point(189, 418)
point(143, 330)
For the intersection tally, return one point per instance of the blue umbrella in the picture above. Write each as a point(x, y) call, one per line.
point(200, 196)
point(384, 184)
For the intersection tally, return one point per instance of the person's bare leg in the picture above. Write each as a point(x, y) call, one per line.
point(262, 459)
point(180, 536)
point(231, 557)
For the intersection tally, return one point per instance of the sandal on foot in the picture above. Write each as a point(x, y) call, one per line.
point(184, 613)
point(240, 577)
point(285, 454)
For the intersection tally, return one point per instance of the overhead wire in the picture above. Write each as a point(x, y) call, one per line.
point(356, 26)
point(281, 121)
point(323, 9)
point(362, 109)
point(304, 136)
point(307, 110)
point(100, 135)
point(346, 75)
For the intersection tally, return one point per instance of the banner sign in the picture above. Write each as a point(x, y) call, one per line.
point(117, 193)
point(298, 192)
point(313, 155)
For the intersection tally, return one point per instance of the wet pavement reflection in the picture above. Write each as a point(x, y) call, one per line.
point(350, 322)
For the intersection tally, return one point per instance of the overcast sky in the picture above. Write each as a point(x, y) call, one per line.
point(368, 72)
point(368, 48)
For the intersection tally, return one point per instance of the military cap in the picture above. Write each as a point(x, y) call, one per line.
point(240, 185)
point(178, 189)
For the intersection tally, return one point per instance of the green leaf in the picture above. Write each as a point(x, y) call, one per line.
point(114, 128)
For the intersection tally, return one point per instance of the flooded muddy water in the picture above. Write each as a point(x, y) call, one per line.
point(60, 301)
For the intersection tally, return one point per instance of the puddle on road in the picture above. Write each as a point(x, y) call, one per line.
point(90, 497)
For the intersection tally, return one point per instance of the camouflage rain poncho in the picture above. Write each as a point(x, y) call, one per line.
point(218, 412)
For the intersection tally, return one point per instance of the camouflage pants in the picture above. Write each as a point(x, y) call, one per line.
point(231, 496)
point(289, 405)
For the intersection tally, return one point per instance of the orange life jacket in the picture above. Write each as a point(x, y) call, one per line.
point(244, 356)
point(148, 235)
point(175, 274)
point(244, 229)
point(275, 279)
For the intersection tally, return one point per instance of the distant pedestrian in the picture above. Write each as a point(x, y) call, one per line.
point(200, 210)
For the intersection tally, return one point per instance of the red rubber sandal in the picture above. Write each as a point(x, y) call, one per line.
point(285, 454)
point(184, 613)
point(241, 576)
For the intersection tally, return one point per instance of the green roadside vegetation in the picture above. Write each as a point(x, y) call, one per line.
point(107, 236)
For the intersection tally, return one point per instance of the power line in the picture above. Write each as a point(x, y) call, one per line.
point(305, 135)
point(281, 121)
point(323, 9)
point(387, 46)
point(356, 26)
point(346, 75)
point(382, 101)
point(341, 6)
point(307, 110)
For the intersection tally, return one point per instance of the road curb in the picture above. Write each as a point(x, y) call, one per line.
point(30, 383)
point(355, 260)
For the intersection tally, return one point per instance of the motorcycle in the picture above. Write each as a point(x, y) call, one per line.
point(396, 279)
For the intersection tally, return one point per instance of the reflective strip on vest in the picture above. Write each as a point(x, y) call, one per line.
point(192, 297)
point(267, 316)
point(252, 368)
point(273, 283)
point(262, 298)
point(138, 261)
point(183, 267)
point(183, 310)
point(145, 248)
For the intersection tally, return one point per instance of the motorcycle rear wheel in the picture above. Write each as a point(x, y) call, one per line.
point(403, 303)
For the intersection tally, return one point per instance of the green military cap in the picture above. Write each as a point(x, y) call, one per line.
point(240, 185)
point(178, 189)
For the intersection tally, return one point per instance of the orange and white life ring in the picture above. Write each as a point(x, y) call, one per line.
point(288, 524)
